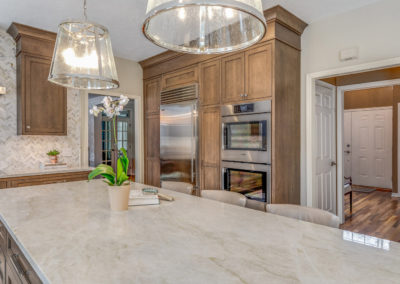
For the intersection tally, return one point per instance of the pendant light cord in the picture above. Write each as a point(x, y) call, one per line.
point(84, 10)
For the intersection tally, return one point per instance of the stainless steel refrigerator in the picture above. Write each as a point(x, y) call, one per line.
point(179, 136)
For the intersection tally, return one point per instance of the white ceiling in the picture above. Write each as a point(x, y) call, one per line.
point(124, 18)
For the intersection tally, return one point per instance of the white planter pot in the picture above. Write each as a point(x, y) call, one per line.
point(119, 197)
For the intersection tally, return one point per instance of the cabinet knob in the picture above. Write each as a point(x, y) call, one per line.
point(28, 127)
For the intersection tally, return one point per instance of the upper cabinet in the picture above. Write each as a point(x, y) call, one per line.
point(233, 78)
point(258, 62)
point(41, 105)
point(180, 78)
point(210, 83)
point(247, 75)
point(152, 90)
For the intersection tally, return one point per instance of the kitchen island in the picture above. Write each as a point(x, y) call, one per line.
point(68, 234)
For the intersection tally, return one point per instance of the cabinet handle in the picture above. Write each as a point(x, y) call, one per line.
point(245, 95)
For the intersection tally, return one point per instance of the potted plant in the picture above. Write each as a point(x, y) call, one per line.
point(118, 183)
point(53, 155)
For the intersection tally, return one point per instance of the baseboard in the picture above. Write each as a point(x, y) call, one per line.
point(395, 194)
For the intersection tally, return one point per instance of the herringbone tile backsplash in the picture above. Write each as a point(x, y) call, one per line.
point(27, 152)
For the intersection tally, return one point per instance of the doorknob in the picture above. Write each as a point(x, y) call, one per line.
point(333, 163)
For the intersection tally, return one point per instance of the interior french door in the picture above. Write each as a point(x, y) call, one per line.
point(324, 184)
point(104, 137)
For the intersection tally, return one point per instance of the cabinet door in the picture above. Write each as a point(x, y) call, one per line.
point(233, 78)
point(152, 142)
point(180, 78)
point(259, 72)
point(210, 147)
point(210, 83)
point(11, 275)
point(44, 107)
point(152, 90)
point(2, 266)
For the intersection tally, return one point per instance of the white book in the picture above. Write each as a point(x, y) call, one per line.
point(136, 197)
point(141, 201)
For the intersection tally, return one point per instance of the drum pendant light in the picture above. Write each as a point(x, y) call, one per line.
point(204, 26)
point(83, 56)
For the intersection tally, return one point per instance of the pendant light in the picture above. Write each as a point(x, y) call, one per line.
point(83, 56)
point(204, 26)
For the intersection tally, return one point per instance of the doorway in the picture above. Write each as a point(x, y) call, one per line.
point(369, 76)
point(101, 135)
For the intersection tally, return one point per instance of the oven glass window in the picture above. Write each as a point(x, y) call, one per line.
point(251, 184)
point(246, 136)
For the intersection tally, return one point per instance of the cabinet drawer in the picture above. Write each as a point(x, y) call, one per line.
point(180, 77)
point(20, 264)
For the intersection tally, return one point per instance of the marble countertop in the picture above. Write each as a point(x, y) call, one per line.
point(38, 171)
point(70, 236)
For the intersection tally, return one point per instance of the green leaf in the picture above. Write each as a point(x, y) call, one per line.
point(124, 160)
point(123, 178)
point(105, 171)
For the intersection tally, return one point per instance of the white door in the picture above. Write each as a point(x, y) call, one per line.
point(372, 147)
point(324, 185)
point(347, 143)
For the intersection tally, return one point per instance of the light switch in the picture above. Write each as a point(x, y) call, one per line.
point(2, 90)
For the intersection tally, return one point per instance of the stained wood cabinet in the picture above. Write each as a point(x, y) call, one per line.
point(14, 267)
point(152, 138)
point(152, 89)
point(258, 72)
point(41, 105)
point(48, 178)
point(270, 70)
point(210, 148)
point(180, 78)
point(233, 87)
point(247, 75)
point(210, 83)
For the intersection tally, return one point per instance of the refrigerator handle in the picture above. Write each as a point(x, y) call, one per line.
point(194, 148)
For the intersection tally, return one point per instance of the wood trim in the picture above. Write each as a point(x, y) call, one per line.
point(285, 18)
point(364, 77)
point(16, 30)
point(368, 98)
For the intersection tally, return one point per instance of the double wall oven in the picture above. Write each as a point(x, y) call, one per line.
point(246, 149)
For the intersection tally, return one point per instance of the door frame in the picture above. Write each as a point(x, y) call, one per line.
point(139, 129)
point(311, 79)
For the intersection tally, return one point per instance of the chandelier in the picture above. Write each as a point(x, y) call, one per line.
point(204, 26)
point(83, 56)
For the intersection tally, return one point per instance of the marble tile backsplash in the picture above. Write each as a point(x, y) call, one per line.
point(27, 152)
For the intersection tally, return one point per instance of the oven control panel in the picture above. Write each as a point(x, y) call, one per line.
point(243, 108)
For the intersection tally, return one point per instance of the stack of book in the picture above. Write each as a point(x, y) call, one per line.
point(137, 197)
point(51, 166)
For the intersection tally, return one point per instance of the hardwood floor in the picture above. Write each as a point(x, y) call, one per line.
point(376, 214)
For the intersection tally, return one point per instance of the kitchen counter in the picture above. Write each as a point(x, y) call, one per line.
point(34, 172)
point(69, 235)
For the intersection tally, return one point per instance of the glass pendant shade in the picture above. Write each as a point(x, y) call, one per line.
point(204, 26)
point(83, 57)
